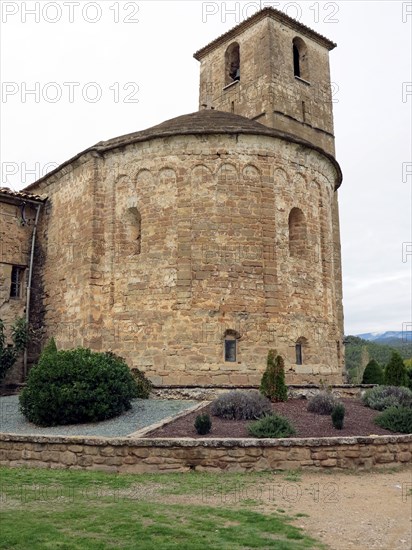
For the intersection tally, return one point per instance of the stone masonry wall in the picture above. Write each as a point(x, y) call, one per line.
point(157, 249)
point(232, 455)
point(15, 247)
point(65, 262)
point(268, 91)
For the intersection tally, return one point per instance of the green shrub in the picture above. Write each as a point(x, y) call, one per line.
point(203, 424)
point(396, 419)
point(322, 403)
point(273, 380)
point(373, 373)
point(271, 426)
point(383, 397)
point(409, 377)
point(338, 414)
point(49, 348)
point(240, 405)
point(144, 386)
point(73, 386)
point(395, 371)
point(10, 352)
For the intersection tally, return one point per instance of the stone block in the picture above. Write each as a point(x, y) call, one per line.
point(68, 458)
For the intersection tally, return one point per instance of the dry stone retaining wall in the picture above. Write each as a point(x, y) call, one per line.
point(294, 391)
point(230, 455)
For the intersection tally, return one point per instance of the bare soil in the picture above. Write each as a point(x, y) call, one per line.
point(345, 510)
point(358, 422)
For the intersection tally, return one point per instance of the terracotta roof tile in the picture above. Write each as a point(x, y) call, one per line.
point(22, 195)
point(273, 14)
point(197, 123)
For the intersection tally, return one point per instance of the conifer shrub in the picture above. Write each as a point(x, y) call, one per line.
point(322, 403)
point(409, 377)
point(271, 426)
point(338, 414)
point(396, 419)
point(273, 384)
point(395, 371)
point(74, 386)
point(384, 397)
point(49, 348)
point(203, 424)
point(144, 385)
point(373, 373)
point(240, 405)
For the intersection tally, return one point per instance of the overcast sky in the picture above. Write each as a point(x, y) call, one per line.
point(130, 66)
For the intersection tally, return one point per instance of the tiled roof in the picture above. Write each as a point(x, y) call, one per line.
point(22, 195)
point(203, 122)
point(273, 14)
point(207, 121)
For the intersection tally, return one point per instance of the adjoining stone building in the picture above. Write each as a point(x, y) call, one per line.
point(193, 247)
point(19, 215)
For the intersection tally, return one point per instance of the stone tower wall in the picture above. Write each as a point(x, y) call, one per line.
point(268, 91)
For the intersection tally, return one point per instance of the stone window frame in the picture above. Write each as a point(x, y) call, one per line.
point(232, 64)
point(134, 218)
point(16, 282)
point(301, 346)
point(230, 336)
point(298, 233)
point(300, 59)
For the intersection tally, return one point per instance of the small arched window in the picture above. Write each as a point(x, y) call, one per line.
point(300, 345)
point(300, 59)
point(232, 63)
point(133, 221)
point(230, 345)
point(297, 233)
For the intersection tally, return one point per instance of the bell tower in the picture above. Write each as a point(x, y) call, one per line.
point(272, 69)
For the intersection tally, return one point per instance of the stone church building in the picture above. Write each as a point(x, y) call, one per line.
point(195, 246)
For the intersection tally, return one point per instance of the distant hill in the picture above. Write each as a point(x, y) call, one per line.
point(359, 351)
point(387, 336)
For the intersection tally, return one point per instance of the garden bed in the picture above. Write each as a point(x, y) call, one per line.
point(359, 421)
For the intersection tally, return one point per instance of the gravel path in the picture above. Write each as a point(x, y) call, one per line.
point(143, 413)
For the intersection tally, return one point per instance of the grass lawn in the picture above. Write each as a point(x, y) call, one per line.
point(61, 509)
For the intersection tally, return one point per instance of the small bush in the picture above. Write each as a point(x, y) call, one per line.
point(396, 419)
point(383, 397)
point(240, 405)
point(203, 424)
point(72, 386)
point(373, 373)
point(271, 426)
point(10, 352)
point(144, 386)
point(273, 380)
point(338, 414)
point(322, 403)
point(395, 371)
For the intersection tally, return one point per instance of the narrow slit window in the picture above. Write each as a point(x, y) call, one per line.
point(296, 61)
point(298, 349)
point(230, 350)
point(16, 282)
point(133, 221)
point(297, 233)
